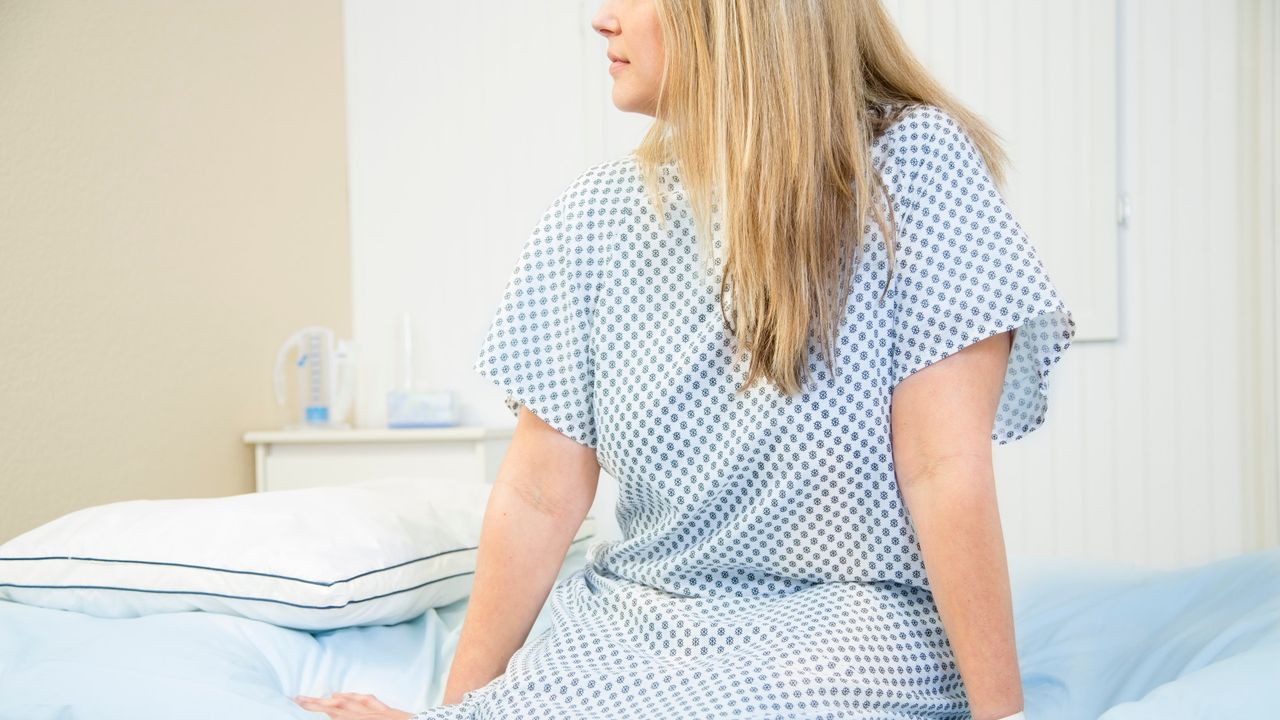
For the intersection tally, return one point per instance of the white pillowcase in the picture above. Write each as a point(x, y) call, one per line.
point(371, 553)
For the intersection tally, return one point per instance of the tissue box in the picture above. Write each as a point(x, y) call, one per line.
point(421, 408)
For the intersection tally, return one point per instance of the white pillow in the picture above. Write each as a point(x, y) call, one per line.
point(371, 553)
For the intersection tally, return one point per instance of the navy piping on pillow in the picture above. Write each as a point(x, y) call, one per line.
point(244, 597)
point(233, 597)
point(255, 572)
point(242, 572)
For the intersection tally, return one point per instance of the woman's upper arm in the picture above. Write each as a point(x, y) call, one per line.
point(553, 472)
point(943, 414)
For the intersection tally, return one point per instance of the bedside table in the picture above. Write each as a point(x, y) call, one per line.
point(292, 459)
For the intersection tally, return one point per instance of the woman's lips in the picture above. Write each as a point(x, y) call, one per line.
point(617, 65)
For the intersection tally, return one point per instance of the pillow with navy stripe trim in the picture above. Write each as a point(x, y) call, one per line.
point(371, 553)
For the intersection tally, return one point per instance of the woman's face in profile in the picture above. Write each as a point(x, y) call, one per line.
point(635, 39)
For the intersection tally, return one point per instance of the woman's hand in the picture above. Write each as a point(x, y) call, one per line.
point(351, 706)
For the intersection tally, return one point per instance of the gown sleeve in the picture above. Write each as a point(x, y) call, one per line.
point(537, 349)
point(965, 271)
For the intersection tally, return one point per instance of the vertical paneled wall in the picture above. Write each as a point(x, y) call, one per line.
point(1181, 401)
point(1259, 60)
point(1149, 453)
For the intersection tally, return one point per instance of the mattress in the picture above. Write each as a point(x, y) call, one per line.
point(1095, 641)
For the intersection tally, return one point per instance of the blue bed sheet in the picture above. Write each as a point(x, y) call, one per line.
point(1118, 642)
point(1095, 641)
point(64, 665)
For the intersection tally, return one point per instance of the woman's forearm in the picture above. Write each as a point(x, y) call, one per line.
point(957, 522)
point(522, 549)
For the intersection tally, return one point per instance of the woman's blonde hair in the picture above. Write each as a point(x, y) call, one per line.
point(776, 104)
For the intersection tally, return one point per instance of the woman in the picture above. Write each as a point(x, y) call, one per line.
point(799, 414)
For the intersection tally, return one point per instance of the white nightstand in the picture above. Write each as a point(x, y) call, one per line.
point(291, 459)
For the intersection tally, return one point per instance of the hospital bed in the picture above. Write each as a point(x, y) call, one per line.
point(1096, 640)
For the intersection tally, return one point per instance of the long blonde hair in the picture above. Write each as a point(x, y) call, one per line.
point(776, 104)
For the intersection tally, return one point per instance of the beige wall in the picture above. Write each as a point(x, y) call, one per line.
point(172, 205)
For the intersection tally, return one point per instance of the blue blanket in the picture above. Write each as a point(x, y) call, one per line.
point(1095, 641)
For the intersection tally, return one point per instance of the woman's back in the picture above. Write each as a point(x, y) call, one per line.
point(768, 560)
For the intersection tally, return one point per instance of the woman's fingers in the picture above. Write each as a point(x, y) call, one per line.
point(329, 706)
point(341, 701)
point(364, 700)
point(315, 705)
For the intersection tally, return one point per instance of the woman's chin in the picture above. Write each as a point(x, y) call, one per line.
point(627, 102)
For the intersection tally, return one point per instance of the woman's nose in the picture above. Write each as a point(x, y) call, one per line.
point(605, 22)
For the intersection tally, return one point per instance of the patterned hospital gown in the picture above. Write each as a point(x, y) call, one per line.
point(768, 566)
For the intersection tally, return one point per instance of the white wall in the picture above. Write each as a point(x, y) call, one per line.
point(466, 119)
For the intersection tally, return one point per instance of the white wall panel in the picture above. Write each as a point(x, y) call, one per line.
point(1259, 59)
point(1043, 75)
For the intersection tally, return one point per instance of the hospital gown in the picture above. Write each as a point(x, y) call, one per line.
point(768, 566)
